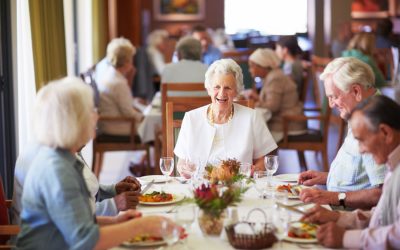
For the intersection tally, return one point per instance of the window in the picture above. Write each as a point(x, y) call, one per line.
point(283, 17)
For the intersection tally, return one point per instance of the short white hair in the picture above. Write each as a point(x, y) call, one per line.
point(120, 51)
point(346, 71)
point(156, 37)
point(63, 113)
point(224, 67)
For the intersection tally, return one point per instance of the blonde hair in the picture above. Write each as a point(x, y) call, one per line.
point(120, 51)
point(156, 37)
point(364, 42)
point(346, 71)
point(63, 113)
point(224, 67)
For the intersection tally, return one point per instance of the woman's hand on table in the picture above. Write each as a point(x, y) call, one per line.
point(127, 215)
point(318, 196)
point(153, 225)
point(331, 235)
point(320, 215)
point(311, 178)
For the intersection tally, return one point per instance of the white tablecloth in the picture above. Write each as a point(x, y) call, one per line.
point(196, 240)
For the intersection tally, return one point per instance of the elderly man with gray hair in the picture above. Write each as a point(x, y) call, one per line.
point(354, 179)
point(189, 69)
point(376, 125)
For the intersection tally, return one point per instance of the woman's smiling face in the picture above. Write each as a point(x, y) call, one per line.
point(223, 91)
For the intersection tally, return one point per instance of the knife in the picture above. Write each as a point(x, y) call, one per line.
point(294, 209)
point(147, 187)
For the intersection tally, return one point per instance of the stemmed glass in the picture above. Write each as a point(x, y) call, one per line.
point(271, 165)
point(281, 221)
point(169, 234)
point(245, 169)
point(166, 167)
point(259, 182)
point(185, 217)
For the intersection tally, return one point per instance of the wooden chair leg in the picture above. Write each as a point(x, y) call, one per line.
point(302, 160)
point(325, 160)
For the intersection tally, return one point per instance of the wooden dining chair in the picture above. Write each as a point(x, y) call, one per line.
point(108, 143)
point(6, 229)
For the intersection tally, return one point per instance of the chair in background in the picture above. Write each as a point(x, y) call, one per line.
point(6, 230)
point(107, 143)
point(241, 57)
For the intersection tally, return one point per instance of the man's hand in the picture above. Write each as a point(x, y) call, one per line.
point(319, 196)
point(320, 215)
point(127, 215)
point(129, 183)
point(127, 200)
point(331, 235)
point(311, 178)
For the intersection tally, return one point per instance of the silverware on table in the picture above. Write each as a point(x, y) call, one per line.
point(144, 190)
point(291, 208)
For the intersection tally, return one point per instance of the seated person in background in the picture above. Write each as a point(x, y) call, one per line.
point(278, 94)
point(209, 52)
point(56, 212)
point(115, 95)
point(376, 125)
point(288, 50)
point(342, 39)
point(107, 200)
point(189, 68)
point(384, 34)
point(223, 129)
point(354, 179)
point(156, 49)
point(361, 46)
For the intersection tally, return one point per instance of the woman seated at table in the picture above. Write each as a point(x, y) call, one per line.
point(56, 213)
point(115, 94)
point(278, 94)
point(223, 129)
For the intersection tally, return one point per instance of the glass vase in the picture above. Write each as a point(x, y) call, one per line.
point(211, 224)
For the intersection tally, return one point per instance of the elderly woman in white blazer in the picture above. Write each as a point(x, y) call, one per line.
point(223, 129)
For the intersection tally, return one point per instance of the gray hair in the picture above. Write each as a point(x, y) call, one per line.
point(63, 113)
point(120, 51)
point(224, 66)
point(156, 37)
point(189, 48)
point(346, 71)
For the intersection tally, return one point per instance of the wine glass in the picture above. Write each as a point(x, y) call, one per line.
point(245, 169)
point(166, 167)
point(281, 221)
point(271, 165)
point(169, 234)
point(260, 182)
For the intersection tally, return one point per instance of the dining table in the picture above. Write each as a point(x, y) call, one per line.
point(250, 201)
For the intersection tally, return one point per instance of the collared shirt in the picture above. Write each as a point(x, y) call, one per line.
point(374, 236)
point(211, 55)
point(55, 204)
point(352, 171)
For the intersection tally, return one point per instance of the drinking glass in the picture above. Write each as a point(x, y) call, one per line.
point(260, 182)
point(281, 221)
point(271, 165)
point(166, 167)
point(169, 234)
point(245, 169)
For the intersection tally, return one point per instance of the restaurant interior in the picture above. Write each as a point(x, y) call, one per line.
point(46, 40)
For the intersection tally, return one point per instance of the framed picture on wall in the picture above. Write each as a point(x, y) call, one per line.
point(370, 8)
point(178, 10)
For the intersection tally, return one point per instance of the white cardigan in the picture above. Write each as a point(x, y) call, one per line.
point(246, 136)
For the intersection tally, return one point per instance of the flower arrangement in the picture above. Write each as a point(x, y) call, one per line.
point(226, 173)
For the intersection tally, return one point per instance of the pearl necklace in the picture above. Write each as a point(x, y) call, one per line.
point(210, 115)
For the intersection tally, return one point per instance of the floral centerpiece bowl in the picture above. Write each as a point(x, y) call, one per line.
point(215, 197)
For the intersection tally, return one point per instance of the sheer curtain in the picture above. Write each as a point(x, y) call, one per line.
point(26, 75)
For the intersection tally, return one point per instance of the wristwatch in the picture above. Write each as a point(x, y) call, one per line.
point(341, 198)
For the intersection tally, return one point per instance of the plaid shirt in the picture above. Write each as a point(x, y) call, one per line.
point(352, 171)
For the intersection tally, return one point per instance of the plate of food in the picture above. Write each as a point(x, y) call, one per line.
point(156, 178)
point(292, 190)
point(287, 177)
point(144, 241)
point(160, 198)
point(301, 232)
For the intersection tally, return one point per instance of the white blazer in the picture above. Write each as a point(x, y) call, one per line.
point(246, 136)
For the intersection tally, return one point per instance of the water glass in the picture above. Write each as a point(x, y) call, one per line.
point(260, 182)
point(166, 167)
point(281, 197)
point(185, 216)
point(281, 221)
point(271, 164)
point(170, 234)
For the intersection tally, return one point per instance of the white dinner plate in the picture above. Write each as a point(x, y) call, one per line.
point(175, 198)
point(287, 177)
point(299, 240)
point(144, 243)
point(156, 178)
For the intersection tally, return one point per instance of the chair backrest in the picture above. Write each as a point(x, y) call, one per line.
point(241, 57)
point(88, 78)
point(384, 58)
point(173, 125)
point(318, 65)
point(181, 87)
